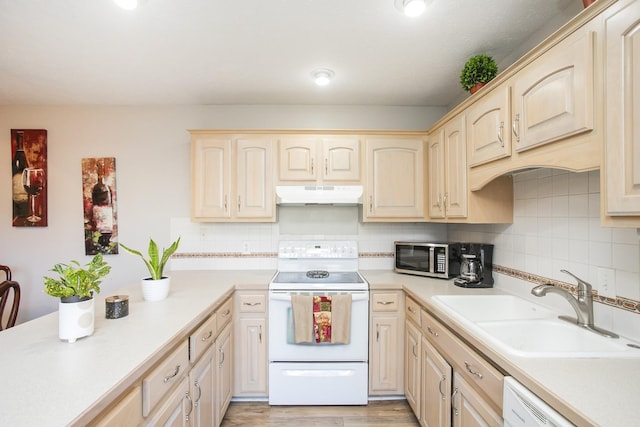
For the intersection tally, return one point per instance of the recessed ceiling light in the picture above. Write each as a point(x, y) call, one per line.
point(128, 4)
point(322, 76)
point(411, 8)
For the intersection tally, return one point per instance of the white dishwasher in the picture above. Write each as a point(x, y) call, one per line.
point(522, 408)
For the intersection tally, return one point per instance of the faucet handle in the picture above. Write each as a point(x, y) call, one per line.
point(583, 286)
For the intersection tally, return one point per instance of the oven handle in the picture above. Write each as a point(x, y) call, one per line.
point(286, 295)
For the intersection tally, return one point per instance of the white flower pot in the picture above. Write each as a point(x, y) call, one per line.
point(76, 318)
point(155, 290)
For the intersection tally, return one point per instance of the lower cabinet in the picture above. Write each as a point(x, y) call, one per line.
point(446, 382)
point(224, 372)
point(250, 344)
point(385, 343)
point(174, 411)
point(202, 380)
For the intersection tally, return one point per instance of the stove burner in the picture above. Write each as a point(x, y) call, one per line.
point(317, 274)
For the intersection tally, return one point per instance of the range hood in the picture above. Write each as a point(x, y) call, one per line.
point(319, 195)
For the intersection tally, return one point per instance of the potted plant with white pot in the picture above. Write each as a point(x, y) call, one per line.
point(156, 287)
point(76, 286)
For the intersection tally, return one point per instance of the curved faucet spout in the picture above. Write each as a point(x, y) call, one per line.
point(580, 308)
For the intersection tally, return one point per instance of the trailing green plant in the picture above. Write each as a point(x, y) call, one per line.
point(478, 69)
point(155, 263)
point(77, 280)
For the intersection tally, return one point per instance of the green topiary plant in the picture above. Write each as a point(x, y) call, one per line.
point(75, 280)
point(478, 69)
point(155, 264)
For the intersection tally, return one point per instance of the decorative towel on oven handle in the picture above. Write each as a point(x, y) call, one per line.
point(322, 319)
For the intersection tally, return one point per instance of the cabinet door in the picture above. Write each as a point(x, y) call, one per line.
point(127, 412)
point(395, 178)
point(412, 367)
point(553, 96)
point(469, 409)
point(251, 371)
point(297, 159)
point(622, 137)
point(488, 127)
point(224, 362)
point(210, 177)
point(455, 154)
point(341, 159)
point(436, 174)
point(202, 381)
point(175, 409)
point(435, 394)
point(254, 179)
point(384, 355)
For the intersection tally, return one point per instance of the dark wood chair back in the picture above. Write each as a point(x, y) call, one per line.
point(6, 270)
point(6, 288)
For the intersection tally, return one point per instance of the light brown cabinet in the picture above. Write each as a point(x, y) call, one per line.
point(412, 380)
point(435, 409)
point(386, 365)
point(231, 178)
point(251, 358)
point(620, 175)
point(202, 380)
point(394, 182)
point(174, 411)
point(224, 374)
point(319, 159)
point(488, 126)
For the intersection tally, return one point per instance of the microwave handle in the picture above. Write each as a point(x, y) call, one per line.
point(432, 264)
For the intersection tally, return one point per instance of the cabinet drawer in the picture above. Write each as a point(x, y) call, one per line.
point(202, 338)
point(412, 310)
point(385, 302)
point(125, 412)
point(253, 303)
point(164, 377)
point(472, 367)
point(223, 315)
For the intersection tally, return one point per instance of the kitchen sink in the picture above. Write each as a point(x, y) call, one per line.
point(522, 328)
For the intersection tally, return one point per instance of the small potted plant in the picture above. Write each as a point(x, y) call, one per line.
point(75, 286)
point(478, 71)
point(155, 287)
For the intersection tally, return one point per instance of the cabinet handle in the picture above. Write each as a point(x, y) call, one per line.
point(222, 360)
point(500, 130)
point(175, 373)
point(226, 313)
point(370, 203)
point(225, 203)
point(515, 126)
point(411, 309)
point(413, 350)
point(432, 332)
point(385, 302)
point(312, 166)
point(445, 200)
point(239, 200)
point(442, 380)
point(251, 304)
point(471, 371)
point(186, 396)
point(326, 166)
point(377, 333)
point(209, 335)
point(260, 334)
point(438, 201)
point(453, 402)
point(197, 401)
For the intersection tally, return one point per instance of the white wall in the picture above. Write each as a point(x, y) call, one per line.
point(151, 146)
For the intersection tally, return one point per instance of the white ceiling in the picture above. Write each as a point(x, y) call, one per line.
point(252, 51)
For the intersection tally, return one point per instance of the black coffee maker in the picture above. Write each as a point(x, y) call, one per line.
point(476, 266)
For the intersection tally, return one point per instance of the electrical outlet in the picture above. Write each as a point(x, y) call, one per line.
point(245, 248)
point(606, 284)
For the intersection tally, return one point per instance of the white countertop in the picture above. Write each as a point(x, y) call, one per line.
point(603, 392)
point(48, 382)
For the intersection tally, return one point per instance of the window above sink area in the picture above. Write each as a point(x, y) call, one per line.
point(522, 328)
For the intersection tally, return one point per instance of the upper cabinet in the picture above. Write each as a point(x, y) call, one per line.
point(620, 175)
point(231, 178)
point(489, 127)
point(394, 182)
point(448, 170)
point(330, 159)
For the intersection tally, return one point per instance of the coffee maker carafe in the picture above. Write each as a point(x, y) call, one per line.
point(476, 266)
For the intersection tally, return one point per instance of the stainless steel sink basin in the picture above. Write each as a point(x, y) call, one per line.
point(522, 328)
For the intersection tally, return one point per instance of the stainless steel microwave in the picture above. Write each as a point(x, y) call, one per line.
point(441, 260)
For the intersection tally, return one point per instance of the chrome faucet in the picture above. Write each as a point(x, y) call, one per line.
point(582, 304)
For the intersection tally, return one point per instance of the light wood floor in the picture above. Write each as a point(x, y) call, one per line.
point(377, 413)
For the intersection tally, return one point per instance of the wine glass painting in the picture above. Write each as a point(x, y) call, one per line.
point(100, 207)
point(29, 177)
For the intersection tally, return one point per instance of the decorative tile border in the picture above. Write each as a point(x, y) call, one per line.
point(618, 302)
point(187, 255)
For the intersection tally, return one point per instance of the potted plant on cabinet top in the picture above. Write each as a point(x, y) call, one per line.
point(155, 287)
point(477, 72)
point(75, 287)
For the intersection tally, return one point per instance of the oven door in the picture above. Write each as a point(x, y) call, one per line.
point(282, 347)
